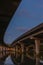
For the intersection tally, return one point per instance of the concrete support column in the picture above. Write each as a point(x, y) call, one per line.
point(37, 45)
point(37, 60)
point(16, 48)
point(22, 47)
point(27, 48)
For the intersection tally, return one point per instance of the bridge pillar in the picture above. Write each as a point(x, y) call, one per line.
point(37, 60)
point(16, 48)
point(37, 46)
point(21, 47)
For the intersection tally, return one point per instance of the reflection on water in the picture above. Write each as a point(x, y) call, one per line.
point(8, 61)
point(19, 59)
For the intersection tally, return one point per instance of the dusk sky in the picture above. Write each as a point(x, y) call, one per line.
point(28, 15)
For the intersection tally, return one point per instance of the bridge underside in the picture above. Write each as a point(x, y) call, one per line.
point(7, 10)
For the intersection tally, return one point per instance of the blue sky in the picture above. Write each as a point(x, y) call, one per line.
point(28, 15)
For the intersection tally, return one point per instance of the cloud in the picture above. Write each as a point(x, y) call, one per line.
point(21, 28)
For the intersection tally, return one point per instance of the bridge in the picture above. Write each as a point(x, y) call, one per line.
point(32, 37)
point(31, 40)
